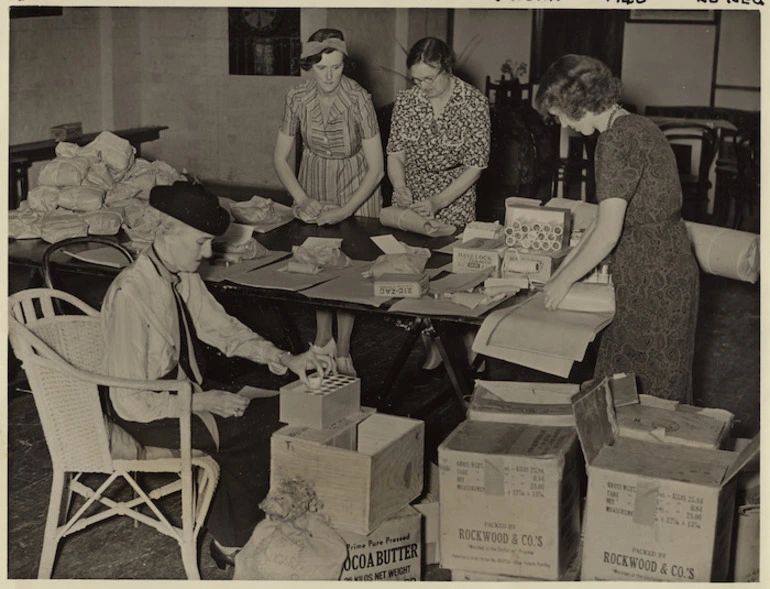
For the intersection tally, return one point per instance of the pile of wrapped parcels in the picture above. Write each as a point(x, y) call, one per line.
point(93, 190)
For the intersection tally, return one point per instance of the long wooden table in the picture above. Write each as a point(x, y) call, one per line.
point(356, 243)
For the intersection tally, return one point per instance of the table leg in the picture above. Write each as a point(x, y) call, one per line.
point(456, 363)
point(413, 331)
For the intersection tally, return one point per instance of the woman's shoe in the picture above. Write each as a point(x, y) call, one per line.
point(221, 558)
point(345, 366)
point(328, 349)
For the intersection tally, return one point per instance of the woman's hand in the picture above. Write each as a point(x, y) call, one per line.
point(219, 403)
point(425, 207)
point(311, 207)
point(309, 360)
point(332, 216)
point(555, 290)
point(402, 196)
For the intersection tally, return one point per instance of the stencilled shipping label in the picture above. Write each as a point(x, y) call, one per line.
point(475, 260)
point(394, 555)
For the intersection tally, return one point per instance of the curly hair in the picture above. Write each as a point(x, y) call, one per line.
point(306, 63)
point(433, 52)
point(576, 85)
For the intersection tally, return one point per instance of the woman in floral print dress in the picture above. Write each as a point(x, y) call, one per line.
point(438, 146)
point(639, 222)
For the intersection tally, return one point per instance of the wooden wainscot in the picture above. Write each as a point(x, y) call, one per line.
point(510, 499)
point(654, 512)
point(338, 397)
point(363, 481)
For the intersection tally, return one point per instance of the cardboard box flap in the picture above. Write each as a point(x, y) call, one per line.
point(595, 419)
point(623, 387)
point(746, 455)
point(699, 466)
point(485, 437)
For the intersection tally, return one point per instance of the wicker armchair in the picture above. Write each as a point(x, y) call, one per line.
point(61, 355)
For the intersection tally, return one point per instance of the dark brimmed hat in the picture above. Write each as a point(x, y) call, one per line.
point(193, 205)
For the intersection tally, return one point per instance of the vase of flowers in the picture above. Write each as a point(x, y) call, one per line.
point(509, 91)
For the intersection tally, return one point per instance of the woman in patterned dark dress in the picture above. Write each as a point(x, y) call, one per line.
point(438, 146)
point(342, 161)
point(639, 222)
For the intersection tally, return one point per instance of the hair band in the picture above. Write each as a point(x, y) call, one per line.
point(315, 47)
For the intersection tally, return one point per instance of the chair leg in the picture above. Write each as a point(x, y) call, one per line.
point(190, 558)
point(66, 499)
point(50, 541)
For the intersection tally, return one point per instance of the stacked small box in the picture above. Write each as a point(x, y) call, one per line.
point(478, 254)
point(510, 500)
point(537, 265)
point(542, 229)
point(409, 286)
point(654, 512)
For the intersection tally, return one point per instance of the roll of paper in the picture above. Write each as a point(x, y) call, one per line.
point(409, 220)
point(536, 245)
point(519, 235)
point(589, 297)
point(547, 228)
point(516, 225)
point(302, 268)
point(725, 252)
point(509, 230)
point(510, 241)
point(556, 246)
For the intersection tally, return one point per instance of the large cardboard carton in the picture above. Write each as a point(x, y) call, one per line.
point(428, 506)
point(654, 512)
point(746, 558)
point(533, 403)
point(390, 553)
point(363, 469)
point(510, 500)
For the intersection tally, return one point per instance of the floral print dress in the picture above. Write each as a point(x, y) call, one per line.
point(653, 265)
point(437, 150)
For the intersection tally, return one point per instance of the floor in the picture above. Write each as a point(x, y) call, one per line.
point(726, 376)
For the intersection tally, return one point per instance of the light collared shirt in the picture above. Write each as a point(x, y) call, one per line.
point(142, 335)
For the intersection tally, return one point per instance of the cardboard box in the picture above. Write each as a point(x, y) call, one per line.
point(362, 481)
point(67, 131)
point(401, 285)
point(478, 254)
point(746, 558)
point(428, 506)
point(571, 574)
point(669, 422)
point(338, 397)
point(510, 500)
point(654, 512)
point(392, 552)
point(532, 403)
point(538, 266)
point(525, 225)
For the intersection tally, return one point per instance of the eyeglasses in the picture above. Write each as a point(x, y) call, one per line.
point(426, 81)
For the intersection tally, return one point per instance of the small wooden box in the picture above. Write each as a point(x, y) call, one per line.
point(411, 286)
point(360, 486)
point(338, 397)
point(67, 131)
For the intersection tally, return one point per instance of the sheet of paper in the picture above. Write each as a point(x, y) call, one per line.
point(522, 333)
point(449, 248)
point(350, 288)
point(389, 244)
point(273, 276)
point(219, 272)
point(312, 242)
point(541, 362)
point(459, 282)
point(104, 256)
point(251, 392)
point(431, 306)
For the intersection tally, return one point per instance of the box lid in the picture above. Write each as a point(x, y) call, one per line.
point(680, 426)
point(595, 419)
point(700, 466)
point(512, 439)
point(531, 403)
point(481, 243)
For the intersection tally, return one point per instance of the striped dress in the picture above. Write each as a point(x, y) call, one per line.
point(333, 163)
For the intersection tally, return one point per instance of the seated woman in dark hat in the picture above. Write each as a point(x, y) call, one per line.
point(151, 314)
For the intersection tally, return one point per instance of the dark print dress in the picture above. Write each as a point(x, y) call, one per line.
point(653, 265)
point(333, 162)
point(438, 150)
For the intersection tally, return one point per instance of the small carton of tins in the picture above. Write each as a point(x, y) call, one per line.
point(410, 286)
point(537, 266)
point(478, 254)
point(537, 228)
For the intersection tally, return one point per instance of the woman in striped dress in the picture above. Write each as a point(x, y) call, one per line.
point(342, 162)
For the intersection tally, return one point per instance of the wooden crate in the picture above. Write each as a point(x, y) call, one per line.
point(338, 397)
point(361, 485)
